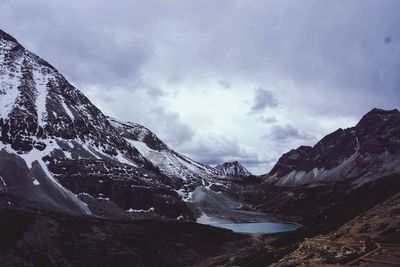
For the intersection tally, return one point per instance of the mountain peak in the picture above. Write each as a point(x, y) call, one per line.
point(53, 110)
point(233, 168)
point(377, 117)
point(383, 112)
point(6, 36)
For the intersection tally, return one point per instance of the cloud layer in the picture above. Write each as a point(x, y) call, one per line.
point(222, 80)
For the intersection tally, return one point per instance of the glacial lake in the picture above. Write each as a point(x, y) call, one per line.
point(258, 227)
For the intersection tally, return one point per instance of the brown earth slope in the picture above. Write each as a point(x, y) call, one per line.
point(370, 239)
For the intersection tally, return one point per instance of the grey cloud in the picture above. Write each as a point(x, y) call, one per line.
point(174, 78)
point(145, 109)
point(224, 84)
point(217, 149)
point(267, 120)
point(154, 91)
point(86, 53)
point(288, 132)
point(99, 42)
point(167, 125)
point(175, 132)
point(262, 99)
point(259, 166)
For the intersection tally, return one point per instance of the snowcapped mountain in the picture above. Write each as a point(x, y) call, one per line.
point(232, 169)
point(41, 111)
point(56, 134)
point(362, 153)
point(186, 173)
point(53, 138)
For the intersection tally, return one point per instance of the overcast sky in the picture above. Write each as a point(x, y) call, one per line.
point(222, 80)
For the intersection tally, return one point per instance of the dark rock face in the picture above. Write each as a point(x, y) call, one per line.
point(345, 153)
point(128, 187)
point(290, 160)
point(379, 132)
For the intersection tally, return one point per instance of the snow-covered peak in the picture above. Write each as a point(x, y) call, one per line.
point(232, 169)
point(187, 173)
point(39, 106)
point(53, 138)
point(137, 132)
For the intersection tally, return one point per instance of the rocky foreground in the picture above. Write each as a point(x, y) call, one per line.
point(40, 238)
point(370, 239)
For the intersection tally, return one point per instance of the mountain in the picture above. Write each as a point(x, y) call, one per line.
point(72, 178)
point(56, 145)
point(186, 174)
point(361, 153)
point(38, 105)
point(232, 169)
point(48, 124)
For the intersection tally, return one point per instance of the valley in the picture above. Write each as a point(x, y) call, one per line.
point(79, 188)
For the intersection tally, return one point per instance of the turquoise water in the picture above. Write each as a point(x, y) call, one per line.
point(258, 227)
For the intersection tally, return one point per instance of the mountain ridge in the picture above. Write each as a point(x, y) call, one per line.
point(186, 172)
point(375, 138)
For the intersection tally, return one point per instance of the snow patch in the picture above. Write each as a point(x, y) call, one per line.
point(185, 195)
point(41, 87)
point(35, 182)
point(121, 158)
point(205, 219)
point(149, 210)
point(67, 110)
point(3, 182)
point(8, 94)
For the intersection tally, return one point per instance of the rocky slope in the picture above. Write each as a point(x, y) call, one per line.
point(371, 238)
point(361, 153)
point(33, 238)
